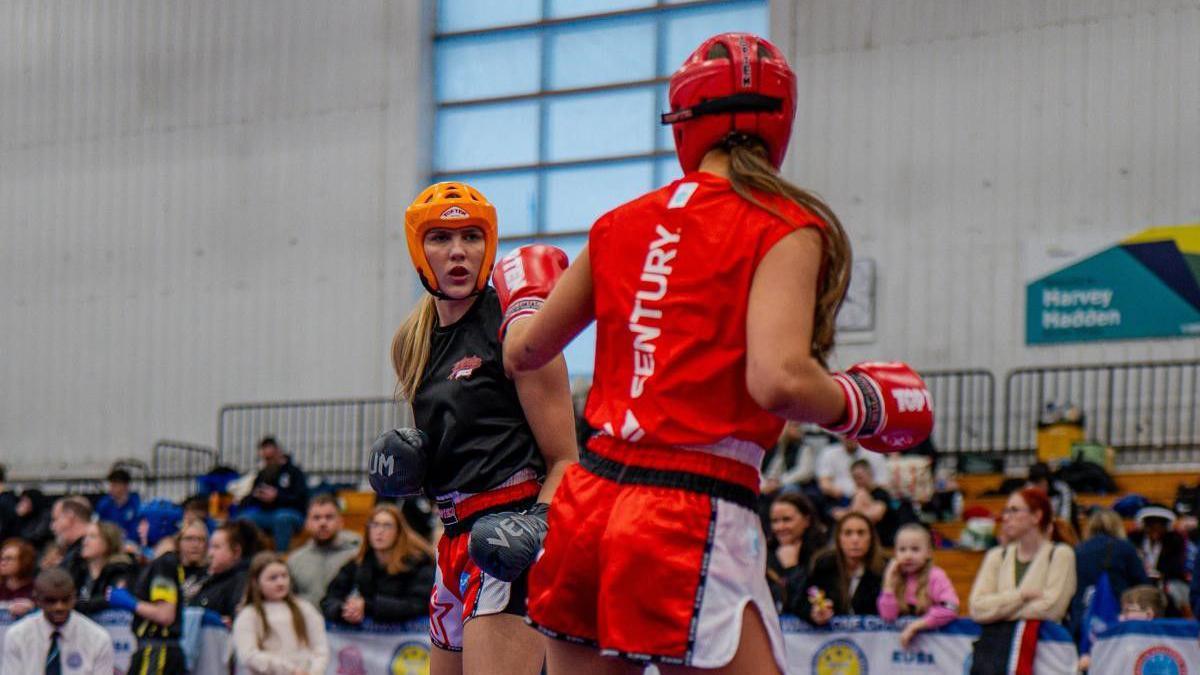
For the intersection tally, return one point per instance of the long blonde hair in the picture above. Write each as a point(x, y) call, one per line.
point(900, 587)
point(409, 545)
point(410, 347)
point(750, 172)
point(254, 598)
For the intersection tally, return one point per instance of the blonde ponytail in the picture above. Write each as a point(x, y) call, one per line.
point(750, 171)
point(410, 347)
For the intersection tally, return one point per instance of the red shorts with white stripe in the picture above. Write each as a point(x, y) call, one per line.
point(461, 591)
point(652, 555)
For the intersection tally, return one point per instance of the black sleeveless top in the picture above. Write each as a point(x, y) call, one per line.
point(469, 408)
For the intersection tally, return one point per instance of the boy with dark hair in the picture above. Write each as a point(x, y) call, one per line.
point(120, 506)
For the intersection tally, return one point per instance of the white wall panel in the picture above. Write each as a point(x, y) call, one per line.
point(970, 147)
point(200, 203)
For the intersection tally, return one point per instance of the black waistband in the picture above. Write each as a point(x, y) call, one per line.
point(692, 482)
point(463, 525)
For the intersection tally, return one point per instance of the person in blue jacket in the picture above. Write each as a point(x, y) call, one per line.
point(1105, 550)
point(121, 505)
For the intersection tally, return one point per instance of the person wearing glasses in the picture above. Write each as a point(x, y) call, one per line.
point(1030, 577)
point(390, 579)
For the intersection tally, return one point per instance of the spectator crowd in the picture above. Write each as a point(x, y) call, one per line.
point(846, 536)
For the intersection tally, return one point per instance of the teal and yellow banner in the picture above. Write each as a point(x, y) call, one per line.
point(1148, 286)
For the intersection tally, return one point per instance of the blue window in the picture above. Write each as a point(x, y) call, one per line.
point(550, 107)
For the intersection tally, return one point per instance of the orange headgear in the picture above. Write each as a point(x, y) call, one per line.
point(454, 206)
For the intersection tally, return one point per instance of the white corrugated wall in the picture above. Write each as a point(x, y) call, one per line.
point(972, 146)
point(200, 203)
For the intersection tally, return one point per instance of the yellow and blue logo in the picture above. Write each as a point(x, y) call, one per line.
point(410, 658)
point(839, 657)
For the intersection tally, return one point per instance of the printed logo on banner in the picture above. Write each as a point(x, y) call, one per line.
point(1160, 660)
point(906, 658)
point(410, 658)
point(840, 657)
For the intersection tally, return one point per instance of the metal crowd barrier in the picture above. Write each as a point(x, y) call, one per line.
point(327, 438)
point(1147, 411)
point(965, 409)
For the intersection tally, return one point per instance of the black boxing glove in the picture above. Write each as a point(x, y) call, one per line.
point(505, 544)
point(399, 458)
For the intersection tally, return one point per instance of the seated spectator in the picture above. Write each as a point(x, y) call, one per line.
point(33, 518)
point(8, 507)
point(158, 521)
point(229, 552)
point(1164, 555)
point(796, 536)
point(196, 508)
point(872, 501)
point(1062, 498)
point(107, 566)
point(51, 556)
point(790, 463)
point(280, 493)
point(69, 519)
point(18, 565)
point(1139, 603)
point(914, 586)
point(1030, 577)
point(847, 578)
point(275, 631)
point(57, 639)
point(390, 579)
point(1104, 550)
point(192, 552)
point(328, 548)
point(1194, 593)
point(833, 470)
point(1143, 603)
point(120, 505)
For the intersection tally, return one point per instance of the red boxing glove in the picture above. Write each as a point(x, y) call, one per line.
point(888, 408)
point(524, 279)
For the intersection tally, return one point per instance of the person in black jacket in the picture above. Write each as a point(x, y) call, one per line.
point(33, 518)
point(796, 536)
point(229, 552)
point(279, 497)
point(847, 578)
point(106, 566)
point(1164, 555)
point(390, 579)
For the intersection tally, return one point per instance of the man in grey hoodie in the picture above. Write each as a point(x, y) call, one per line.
point(317, 562)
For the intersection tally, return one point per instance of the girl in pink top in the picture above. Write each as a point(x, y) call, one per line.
point(913, 585)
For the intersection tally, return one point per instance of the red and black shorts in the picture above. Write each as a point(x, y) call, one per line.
point(653, 554)
point(461, 591)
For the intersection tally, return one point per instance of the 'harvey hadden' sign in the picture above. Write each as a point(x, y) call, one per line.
point(1148, 286)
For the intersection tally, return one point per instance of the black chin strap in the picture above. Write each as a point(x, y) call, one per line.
point(735, 103)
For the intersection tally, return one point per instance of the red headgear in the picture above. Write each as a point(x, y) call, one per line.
point(734, 82)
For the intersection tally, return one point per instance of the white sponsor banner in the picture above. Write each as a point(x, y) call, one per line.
point(858, 645)
point(867, 644)
point(1162, 647)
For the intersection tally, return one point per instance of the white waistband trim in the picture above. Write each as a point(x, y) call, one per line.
point(522, 476)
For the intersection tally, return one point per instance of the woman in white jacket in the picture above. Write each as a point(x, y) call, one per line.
point(1030, 577)
point(276, 632)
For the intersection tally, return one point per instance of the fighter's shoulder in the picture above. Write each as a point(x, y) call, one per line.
point(788, 212)
point(652, 201)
